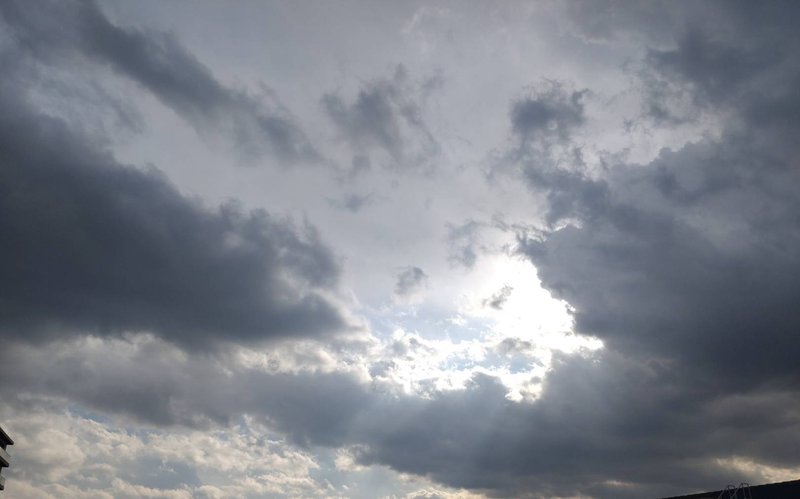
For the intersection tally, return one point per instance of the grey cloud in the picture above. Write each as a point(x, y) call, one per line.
point(685, 267)
point(386, 115)
point(462, 242)
point(686, 257)
point(352, 202)
point(569, 193)
point(659, 24)
point(702, 72)
point(513, 346)
point(551, 112)
point(87, 454)
point(92, 246)
point(544, 125)
point(604, 427)
point(497, 300)
point(160, 64)
point(751, 71)
point(147, 381)
point(601, 420)
point(603, 21)
point(715, 69)
point(409, 281)
point(360, 164)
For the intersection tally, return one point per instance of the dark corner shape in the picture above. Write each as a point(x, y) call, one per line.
point(5, 459)
point(778, 490)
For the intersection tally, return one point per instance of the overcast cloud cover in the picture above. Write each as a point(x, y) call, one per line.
point(399, 249)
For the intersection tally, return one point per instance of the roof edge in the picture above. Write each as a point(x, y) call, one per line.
point(4, 438)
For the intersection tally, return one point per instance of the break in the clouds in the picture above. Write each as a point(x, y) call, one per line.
point(545, 250)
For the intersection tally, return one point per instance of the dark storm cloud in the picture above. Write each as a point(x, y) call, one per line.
point(592, 427)
point(755, 75)
point(92, 246)
point(703, 72)
point(649, 284)
point(685, 267)
point(602, 21)
point(605, 426)
point(692, 61)
point(569, 192)
point(409, 281)
point(714, 69)
point(159, 63)
point(688, 257)
point(386, 115)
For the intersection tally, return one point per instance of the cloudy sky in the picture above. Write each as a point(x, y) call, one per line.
point(399, 249)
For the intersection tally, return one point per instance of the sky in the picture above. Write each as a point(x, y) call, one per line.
point(373, 249)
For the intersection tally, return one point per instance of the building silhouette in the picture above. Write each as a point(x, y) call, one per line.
point(779, 490)
point(5, 459)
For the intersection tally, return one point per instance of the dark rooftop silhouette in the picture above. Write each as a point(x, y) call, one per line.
point(5, 459)
point(778, 490)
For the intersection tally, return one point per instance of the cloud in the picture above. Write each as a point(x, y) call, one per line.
point(497, 300)
point(700, 69)
point(352, 202)
point(694, 269)
point(410, 281)
point(160, 64)
point(605, 425)
point(714, 69)
point(387, 116)
point(686, 257)
point(552, 112)
point(608, 21)
point(462, 241)
point(547, 151)
point(117, 290)
point(682, 266)
point(95, 247)
point(142, 379)
point(93, 459)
